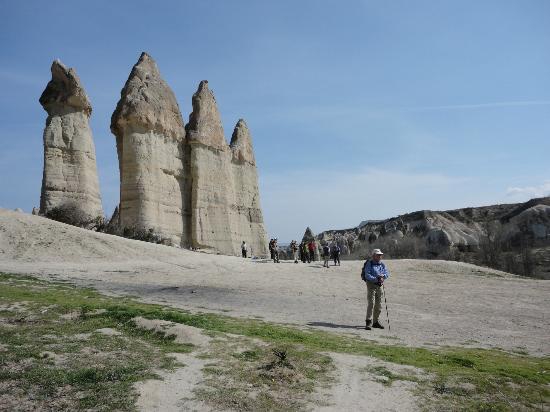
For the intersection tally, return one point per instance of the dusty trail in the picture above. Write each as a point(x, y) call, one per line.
point(430, 302)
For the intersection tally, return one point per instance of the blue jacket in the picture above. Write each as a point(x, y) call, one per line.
point(373, 270)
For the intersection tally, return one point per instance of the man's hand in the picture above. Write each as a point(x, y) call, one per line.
point(380, 280)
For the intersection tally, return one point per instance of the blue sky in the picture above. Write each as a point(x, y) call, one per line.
point(358, 109)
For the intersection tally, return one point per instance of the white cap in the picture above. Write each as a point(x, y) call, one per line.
point(377, 252)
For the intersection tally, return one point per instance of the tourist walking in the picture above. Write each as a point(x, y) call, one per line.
point(311, 247)
point(326, 255)
point(374, 274)
point(244, 249)
point(305, 253)
point(275, 251)
point(271, 248)
point(294, 250)
point(336, 253)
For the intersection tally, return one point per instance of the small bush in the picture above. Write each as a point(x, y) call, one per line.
point(72, 214)
point(144, 235)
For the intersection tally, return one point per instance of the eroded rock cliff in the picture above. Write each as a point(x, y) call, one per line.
point(184, 186)
point(247, 218)
point(212, 190)
point(70, 171)
point(511, 237)
point(150, 140)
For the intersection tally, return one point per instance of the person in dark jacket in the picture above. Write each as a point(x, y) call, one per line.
point(326, 255)
point(374, 274)
point(275, 251)
point(336, 253)
point(305, 253)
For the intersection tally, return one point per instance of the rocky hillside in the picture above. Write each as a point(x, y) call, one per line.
point(511, 237)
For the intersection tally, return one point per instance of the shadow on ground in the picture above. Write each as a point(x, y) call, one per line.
point(335, 325)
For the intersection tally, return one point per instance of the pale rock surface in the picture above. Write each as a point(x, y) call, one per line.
point(150, 139)
point(70, 171)
point(522, 230)
point(211, 173)
point(248, 222)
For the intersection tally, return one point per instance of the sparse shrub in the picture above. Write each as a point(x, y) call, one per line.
point(72, 214)
point(528, 263)
point(491, 246)
point(111, 225)
point(144, 235)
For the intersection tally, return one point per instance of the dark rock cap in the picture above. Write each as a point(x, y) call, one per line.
point(64, 90)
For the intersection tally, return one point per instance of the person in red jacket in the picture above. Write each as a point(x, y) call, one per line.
point(311, 247)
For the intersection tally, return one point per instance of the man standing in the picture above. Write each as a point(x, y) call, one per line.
point(244, 249)
point(294, 250)
point(305, 252)
point(374, 273)
point(275, 251)
point(326, 255)
point(336, 253)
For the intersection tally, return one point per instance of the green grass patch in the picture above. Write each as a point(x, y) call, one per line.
point(52, 362)
point(494, 377)
point(262, 377)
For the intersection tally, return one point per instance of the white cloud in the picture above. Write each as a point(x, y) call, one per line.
point(529, 192)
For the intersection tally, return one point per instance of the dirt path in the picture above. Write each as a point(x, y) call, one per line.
point(174, 391)
point(359, 388)
point(430, 302)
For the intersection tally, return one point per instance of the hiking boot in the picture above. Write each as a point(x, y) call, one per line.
point(368, 322)
point(377, 325)
point(367, 326)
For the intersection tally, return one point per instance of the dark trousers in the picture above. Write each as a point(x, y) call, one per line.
point(244, 253)
point(337, 259)
point(311, 256)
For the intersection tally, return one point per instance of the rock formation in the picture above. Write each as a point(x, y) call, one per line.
point(150, 140)
point(225, 196)
point(70, 171)
point(185, 184)
point(501, 236)
point(248, 222)
point(212, 184)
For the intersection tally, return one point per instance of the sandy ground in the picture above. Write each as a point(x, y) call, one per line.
point(358, 390)
point(430, 302)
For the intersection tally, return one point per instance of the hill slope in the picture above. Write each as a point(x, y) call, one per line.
point(511, 237)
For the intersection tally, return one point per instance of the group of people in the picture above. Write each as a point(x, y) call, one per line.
point(305, 251)
point(374, 271)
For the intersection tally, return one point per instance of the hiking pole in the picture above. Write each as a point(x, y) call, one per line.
point(386, 302)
